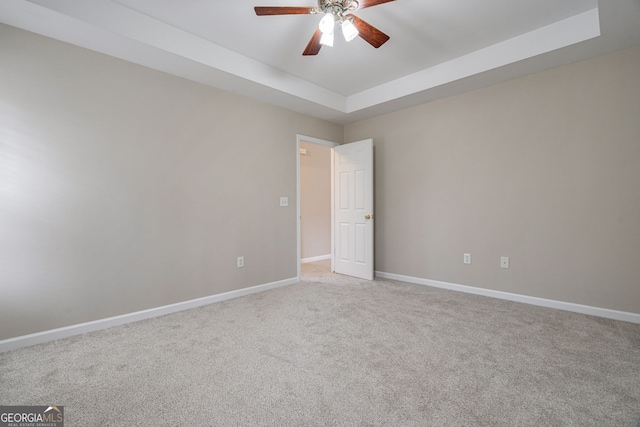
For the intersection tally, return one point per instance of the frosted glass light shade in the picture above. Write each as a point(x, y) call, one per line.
point(327, 23)
point(327, 39)
point(349, 30)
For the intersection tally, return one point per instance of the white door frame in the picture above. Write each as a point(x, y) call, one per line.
point(312, 140)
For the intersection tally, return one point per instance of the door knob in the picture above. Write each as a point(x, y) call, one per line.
point(368, 217)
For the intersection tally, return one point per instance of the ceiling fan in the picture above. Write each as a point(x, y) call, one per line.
point(335, 11)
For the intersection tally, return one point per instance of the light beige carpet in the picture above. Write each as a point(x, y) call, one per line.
point(339, 351)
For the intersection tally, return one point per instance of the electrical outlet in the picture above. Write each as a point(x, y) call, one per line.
point(284, 201)
point(504, 262)
point(467, 259)
point(240, 261)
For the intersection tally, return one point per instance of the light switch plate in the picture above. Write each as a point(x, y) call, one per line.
point(504, 262)
point(284, 201)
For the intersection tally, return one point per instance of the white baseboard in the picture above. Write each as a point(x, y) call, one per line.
point(315, 258)
point(96, 325)
point(561, 305)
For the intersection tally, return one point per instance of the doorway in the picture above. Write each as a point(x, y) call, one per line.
point(314, 199)
point(350, 207)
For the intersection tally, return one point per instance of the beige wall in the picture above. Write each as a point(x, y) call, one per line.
point(315, 201)
point(544, 169)
point(124, 188)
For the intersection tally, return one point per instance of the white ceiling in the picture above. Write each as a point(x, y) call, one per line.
point(437, 47)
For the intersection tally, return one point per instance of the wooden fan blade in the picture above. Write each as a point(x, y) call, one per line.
point(369, 33)
point(314, 44)
point(283, 10)
point(369, 3)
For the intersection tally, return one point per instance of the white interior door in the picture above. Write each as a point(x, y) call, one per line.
point(353, 209)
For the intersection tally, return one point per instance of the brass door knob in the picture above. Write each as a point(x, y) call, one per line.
point(368, 217)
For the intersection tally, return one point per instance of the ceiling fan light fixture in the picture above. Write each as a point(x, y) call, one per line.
point(349, 30)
